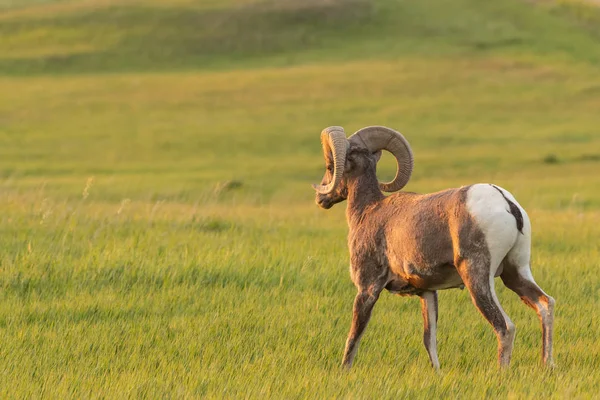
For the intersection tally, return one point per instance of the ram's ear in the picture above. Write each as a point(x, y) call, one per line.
point(350, 162)
point(377, 155)
point(353, 159)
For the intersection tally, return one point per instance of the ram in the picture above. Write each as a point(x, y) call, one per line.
point(416, 244)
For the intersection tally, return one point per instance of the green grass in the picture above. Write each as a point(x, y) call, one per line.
point(159, 236)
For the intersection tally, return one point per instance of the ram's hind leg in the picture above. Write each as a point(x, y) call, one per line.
point(479, 279)
point(429, 309)
point(519, 280)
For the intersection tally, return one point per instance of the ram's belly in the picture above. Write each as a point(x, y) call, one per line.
point(446, 279)
point(437, 277)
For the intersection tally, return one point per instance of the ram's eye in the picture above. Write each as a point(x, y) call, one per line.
point(330, 168)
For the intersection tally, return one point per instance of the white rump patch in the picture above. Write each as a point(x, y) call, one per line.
point(492, 214)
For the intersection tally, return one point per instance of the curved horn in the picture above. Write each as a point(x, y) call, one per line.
point(334, 138)
point(377, 138)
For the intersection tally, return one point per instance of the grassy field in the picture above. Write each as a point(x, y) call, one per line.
point(159, 235)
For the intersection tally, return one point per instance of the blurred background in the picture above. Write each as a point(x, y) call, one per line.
point(201, 92)
point(155, 162)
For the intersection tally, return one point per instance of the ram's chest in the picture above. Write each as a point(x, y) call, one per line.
point(368, 272)
point(368, 259)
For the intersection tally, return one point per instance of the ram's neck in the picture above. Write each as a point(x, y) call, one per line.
point(363, 195)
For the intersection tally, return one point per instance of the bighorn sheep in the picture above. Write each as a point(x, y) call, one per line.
point(415, 244)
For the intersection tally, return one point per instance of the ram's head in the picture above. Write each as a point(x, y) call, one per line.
point(347, 158)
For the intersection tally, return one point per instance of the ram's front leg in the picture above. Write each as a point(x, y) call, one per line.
point(429, 308)
point(363, 305)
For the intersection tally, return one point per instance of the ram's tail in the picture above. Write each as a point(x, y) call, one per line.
point(514, 210)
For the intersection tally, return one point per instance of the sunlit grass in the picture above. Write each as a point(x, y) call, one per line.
point(159, 298)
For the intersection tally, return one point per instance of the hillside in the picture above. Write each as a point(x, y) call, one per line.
point(108, 36)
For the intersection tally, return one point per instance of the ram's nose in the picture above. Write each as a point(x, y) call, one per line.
point(323, 202)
